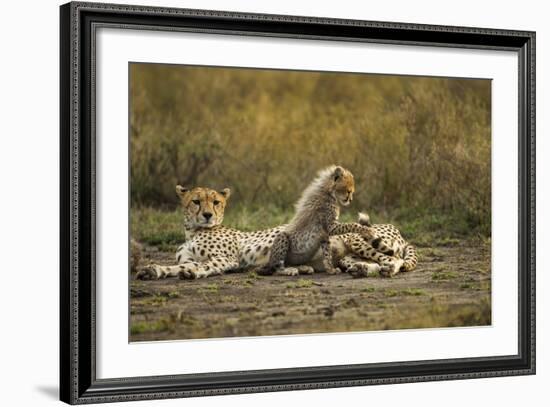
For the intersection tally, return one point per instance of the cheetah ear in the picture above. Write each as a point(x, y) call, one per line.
point(338, 172)
point(181, 191)
point(226, 192)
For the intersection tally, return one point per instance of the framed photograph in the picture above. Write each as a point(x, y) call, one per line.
point(254, 203)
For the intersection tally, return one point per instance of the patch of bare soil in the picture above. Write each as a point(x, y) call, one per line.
point(450, 287)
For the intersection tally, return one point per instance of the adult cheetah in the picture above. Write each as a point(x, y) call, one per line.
point(212, 248)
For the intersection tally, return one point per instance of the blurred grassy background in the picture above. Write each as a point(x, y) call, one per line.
point(420, 148)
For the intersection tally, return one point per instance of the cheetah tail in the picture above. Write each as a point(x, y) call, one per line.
point(410, 258)
point(363, 219)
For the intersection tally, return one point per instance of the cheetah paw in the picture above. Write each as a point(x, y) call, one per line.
point(356, 271)
point(192, 274)
point(306, 270)
point(184, 275)
point(391, 269)
point(148, 273)
point(364, 270)
point(388, 270)
point(287, 271)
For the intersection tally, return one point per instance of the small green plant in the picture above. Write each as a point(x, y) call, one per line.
point(210, 288)
point(157, 300)
point(444, 275)
point(148, 327)
point(368, 289)
point(413, 292)
point(170, 294)
point(301, 283)
point(254, 276)
point(304, 283)
point(391, 293)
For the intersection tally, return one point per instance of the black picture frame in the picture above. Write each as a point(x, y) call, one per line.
point(78, 382)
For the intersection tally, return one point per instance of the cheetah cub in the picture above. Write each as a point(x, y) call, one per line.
point(352, 254)
point(315, 220)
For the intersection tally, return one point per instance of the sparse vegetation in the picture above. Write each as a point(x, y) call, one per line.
point(444, 275)
point(301, 283)
point(391, 293)
point(254, 276)
point(209, 288)
point(368, 289)
point(163, 228)
point(143, 327)
point(420, 148)
point(413, 292)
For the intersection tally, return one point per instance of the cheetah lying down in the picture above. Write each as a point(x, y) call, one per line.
point(213, 249)
point(352, 254)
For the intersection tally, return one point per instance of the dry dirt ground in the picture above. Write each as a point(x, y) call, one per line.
point(450, 287)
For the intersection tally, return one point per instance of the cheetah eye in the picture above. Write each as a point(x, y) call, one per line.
point(196, 202)
point(216, 203)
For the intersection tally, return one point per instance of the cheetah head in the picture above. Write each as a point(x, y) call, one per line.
point(343, 185)
point(203, 207)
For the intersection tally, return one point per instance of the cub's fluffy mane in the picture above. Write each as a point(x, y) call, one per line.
point(318, 188)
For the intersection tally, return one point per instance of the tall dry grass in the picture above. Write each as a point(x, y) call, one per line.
point(416, 145)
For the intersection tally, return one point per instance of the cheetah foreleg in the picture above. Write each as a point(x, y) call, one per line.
point(156, 272)
point(216, 266)
point(357, 267)
point(303, 269)
point(389, 265)
point(368, 233)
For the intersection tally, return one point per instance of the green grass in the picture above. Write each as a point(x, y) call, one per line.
point(157, 300)
point(301, 283)
point(142, 327)
point(428, 228)
point(444, 275)
point(164, 228)
point(411, 142)
point(156, 227)
point(210, 288)
point(391, 293)
point(368, 289)
point(252, 275)
point(413, 292)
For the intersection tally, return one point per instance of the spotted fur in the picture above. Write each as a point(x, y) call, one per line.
point(353, 254)
point(316, 220)
point(211, 248)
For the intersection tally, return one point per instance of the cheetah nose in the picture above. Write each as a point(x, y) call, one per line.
point(207, 215)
